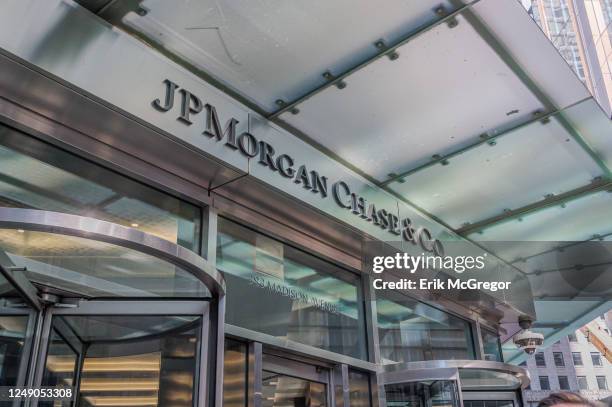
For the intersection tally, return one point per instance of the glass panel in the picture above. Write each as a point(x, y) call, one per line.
point(602, 383)
point(564, 383)
point(299, 297)
point(539, 358)
point(338, 386)
point(582, 382)
point(284, 391)
point(596, 359)
point(559, 361)
point(544, 383)
point(358, 131)
point(14, 319)
point(60, 368)
point(96, 269)
point(577, 358)
point(412, 331)
point(262, 52)
point(488, 403)
point(491, 346)
point(132, 360)
point(38, 176)
point(481, 379)
point(440, 393)
point(458, 195)
point(235, 374)
point(359, 388)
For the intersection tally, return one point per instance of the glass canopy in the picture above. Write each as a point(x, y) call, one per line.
point(463, 109)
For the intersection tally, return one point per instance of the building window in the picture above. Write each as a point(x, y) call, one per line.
point(582, 382)
point(36, 175)
point(409, 330)
point(299, 297)
point(596, 359)
point(491, 346)
point(572, 337)
point(235, 374)
point(359, 389)
point(602, 383)
point(559, 361)
point(563, 383)
point(539, 358)
point(577, 358)
point(544, 383)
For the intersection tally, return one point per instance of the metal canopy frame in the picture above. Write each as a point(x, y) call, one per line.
point(598, 185)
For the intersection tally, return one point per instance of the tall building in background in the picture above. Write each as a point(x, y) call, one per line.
point(576, 363)
point(582, 32)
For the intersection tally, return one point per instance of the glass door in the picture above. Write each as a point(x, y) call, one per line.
point(287, 383)
point(426, 393)
point(490, 399)
point(124, 353)
point(19, 309)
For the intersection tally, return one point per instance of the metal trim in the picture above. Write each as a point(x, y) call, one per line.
point(596, 186)
point(517, 371)
point(298, 348)
point(17, 279)
point(98, 230)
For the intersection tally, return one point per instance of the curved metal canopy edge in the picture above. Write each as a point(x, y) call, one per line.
point(99, 230)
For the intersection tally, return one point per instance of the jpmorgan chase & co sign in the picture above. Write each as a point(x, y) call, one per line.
point(192, 110)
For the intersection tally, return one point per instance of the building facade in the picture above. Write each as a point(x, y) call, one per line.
point(572, 364)
point(165, 242)
point(582, 32)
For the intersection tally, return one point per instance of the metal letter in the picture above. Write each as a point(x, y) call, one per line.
point(319, 183)
point(394, 224)
point(343, 203)
point(213, 127)
point(266, 155)
point(251, 149)
point(285, 165)
point(171, 87)
point(187, 108)
point(358, 205)
point(301, 177)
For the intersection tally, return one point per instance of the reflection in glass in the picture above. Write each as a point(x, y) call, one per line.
point(14, 318)
point(60, 368)
point(488, 403)
point(235, 374)
point(96, 269)
point(491, 346)
point(482, 379)
point(284, 391)
point(39, 176)
point(411, 331)
point(148, 361)
point(299, 297)
point(12, 338)
point(440, 393)
point(359, 389)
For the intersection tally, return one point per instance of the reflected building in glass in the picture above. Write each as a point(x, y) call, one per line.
point(582, 32)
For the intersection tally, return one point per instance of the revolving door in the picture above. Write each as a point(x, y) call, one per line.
point(104, 314)
point(453, 383)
